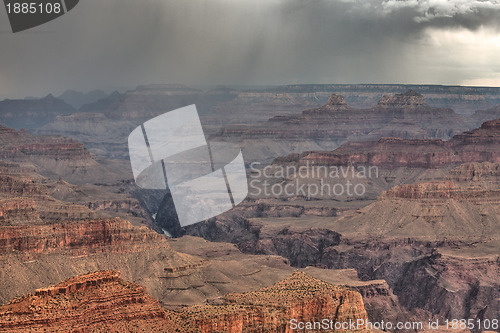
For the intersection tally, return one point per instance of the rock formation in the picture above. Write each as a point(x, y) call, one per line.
point(98, 301)
point(434, 235)
point(441, 234)
point(79, 236)
point(479, 145)
point(44, 239)
point(118, 113)
point(331, 125)
point(105, 125)
point(410, 99)
point(53, 156)
point(461, 284)
point(101, 301)
point(338, 121)
point(335, 103)
point(19, 144)
point(299, 297)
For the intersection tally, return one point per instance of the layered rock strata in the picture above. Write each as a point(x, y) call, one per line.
point(101, 301)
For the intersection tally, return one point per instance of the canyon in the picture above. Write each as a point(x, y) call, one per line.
point(69, 211)
point(44, 239)
point(271, 122)
point(433, 227)
point(475, 146)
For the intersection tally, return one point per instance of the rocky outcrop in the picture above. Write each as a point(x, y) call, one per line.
point(224, 106)
point(26, 197)
point(17, 185)
point(104, 126)
point(462, 282)
point(117, 305)
point(440, 191)
point(101, 135)
point(430, 210)
point(80, 283)
point(18, 211)
point(458, 285)
point(479, 145)
point(299, 289)
point(299, 297)
point(34, 252)
point(99, 301)
point(378, 297)
point(410, 99)
point(25, 200)
point(338, 121)
point(441, 236)
point(302, 246)
point(481, 116)
point(262, 208)
point(79, 237)
point(488, 174)
point(129, 205)
point(335, 103)
point(54, 155)
point(19, 144)
point(166, 218)
point(464, 100)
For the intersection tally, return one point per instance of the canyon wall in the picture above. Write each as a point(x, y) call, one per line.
point(118, 305)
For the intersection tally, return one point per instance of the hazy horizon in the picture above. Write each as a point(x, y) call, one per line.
point(111, 90)
point(273, 42)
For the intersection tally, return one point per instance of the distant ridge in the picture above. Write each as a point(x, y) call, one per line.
point(77, 99)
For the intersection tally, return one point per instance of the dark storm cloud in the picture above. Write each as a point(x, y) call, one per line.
point(469, 14)
point(115, 43)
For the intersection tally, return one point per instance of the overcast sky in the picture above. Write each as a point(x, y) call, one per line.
point(124, 43)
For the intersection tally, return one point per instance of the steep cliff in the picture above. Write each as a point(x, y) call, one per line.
point(52, 156)
point(78, 236)
point(101, 301)
point(98, 301)
point(433, 211)
point(479, 145)
point(461, 284)
point(336, 120)
point(435, 235)
point(299, 297)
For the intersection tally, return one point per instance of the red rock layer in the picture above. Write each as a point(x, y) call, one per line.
point(21, 210)
point(271, 309)
point(97, 302)
point(440, 190)
point(486, 172)
point(102, 302)
point(480, 145)
point(78, 236)
point(17, 185)
point(18, 144)
point(407, 114)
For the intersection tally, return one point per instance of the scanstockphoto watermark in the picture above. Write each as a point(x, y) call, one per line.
point(413, 326)
point(355, 325)
point(310, 180)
